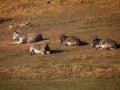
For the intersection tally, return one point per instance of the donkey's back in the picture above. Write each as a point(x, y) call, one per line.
point(108, 44)
point(34, 37)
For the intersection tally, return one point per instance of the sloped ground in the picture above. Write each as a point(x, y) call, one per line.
point(82, 18)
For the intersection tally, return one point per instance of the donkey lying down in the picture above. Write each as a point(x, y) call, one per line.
point(22, 25)
point(42, 48)
point(69, 40)
point(104, 43)
point(26, 38)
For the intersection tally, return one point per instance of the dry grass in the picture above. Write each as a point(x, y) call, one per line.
point(81, 19)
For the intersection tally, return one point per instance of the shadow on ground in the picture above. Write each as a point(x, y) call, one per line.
point(2, 20)
point(118, 46)
point(83, 43)
point(56, 51)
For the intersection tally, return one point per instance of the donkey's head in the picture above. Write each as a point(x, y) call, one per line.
point(62, 38)
point(16, 34)
point(95, 41)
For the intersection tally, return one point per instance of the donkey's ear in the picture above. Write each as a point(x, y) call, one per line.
point(16, 31)
point(62, 35)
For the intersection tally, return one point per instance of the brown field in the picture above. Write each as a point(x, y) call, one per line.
point(82, 18)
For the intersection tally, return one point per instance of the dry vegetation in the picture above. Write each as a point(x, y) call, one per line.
point(82, 18)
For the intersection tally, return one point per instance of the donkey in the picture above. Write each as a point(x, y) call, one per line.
point(25, 25)
point(26, 38)
point(39, 48)
point(22, 25)
point(104, 43)
point(69, 40)
point(11, 26)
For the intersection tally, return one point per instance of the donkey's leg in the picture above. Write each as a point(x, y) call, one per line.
point(31, 52)
point(99, 48)
point(16, 42)
point(20, 41)
point(111, 48)
point(48, 52)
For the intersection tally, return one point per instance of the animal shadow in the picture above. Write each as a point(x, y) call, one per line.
point(2, 20)
point(56, 51)
point(118, 46)
point(83, 43)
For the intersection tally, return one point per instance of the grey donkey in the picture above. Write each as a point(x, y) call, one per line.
point(26, 38)
point(103, 43)
point(42, 48)
point(69, 40)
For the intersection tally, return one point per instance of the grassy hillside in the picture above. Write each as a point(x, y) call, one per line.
point(82, 18)
point(61, 85)
point(33, 8)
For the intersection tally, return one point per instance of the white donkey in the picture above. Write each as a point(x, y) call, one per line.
point(26, 38)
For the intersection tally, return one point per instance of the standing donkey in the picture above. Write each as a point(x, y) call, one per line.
point(25, 38)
